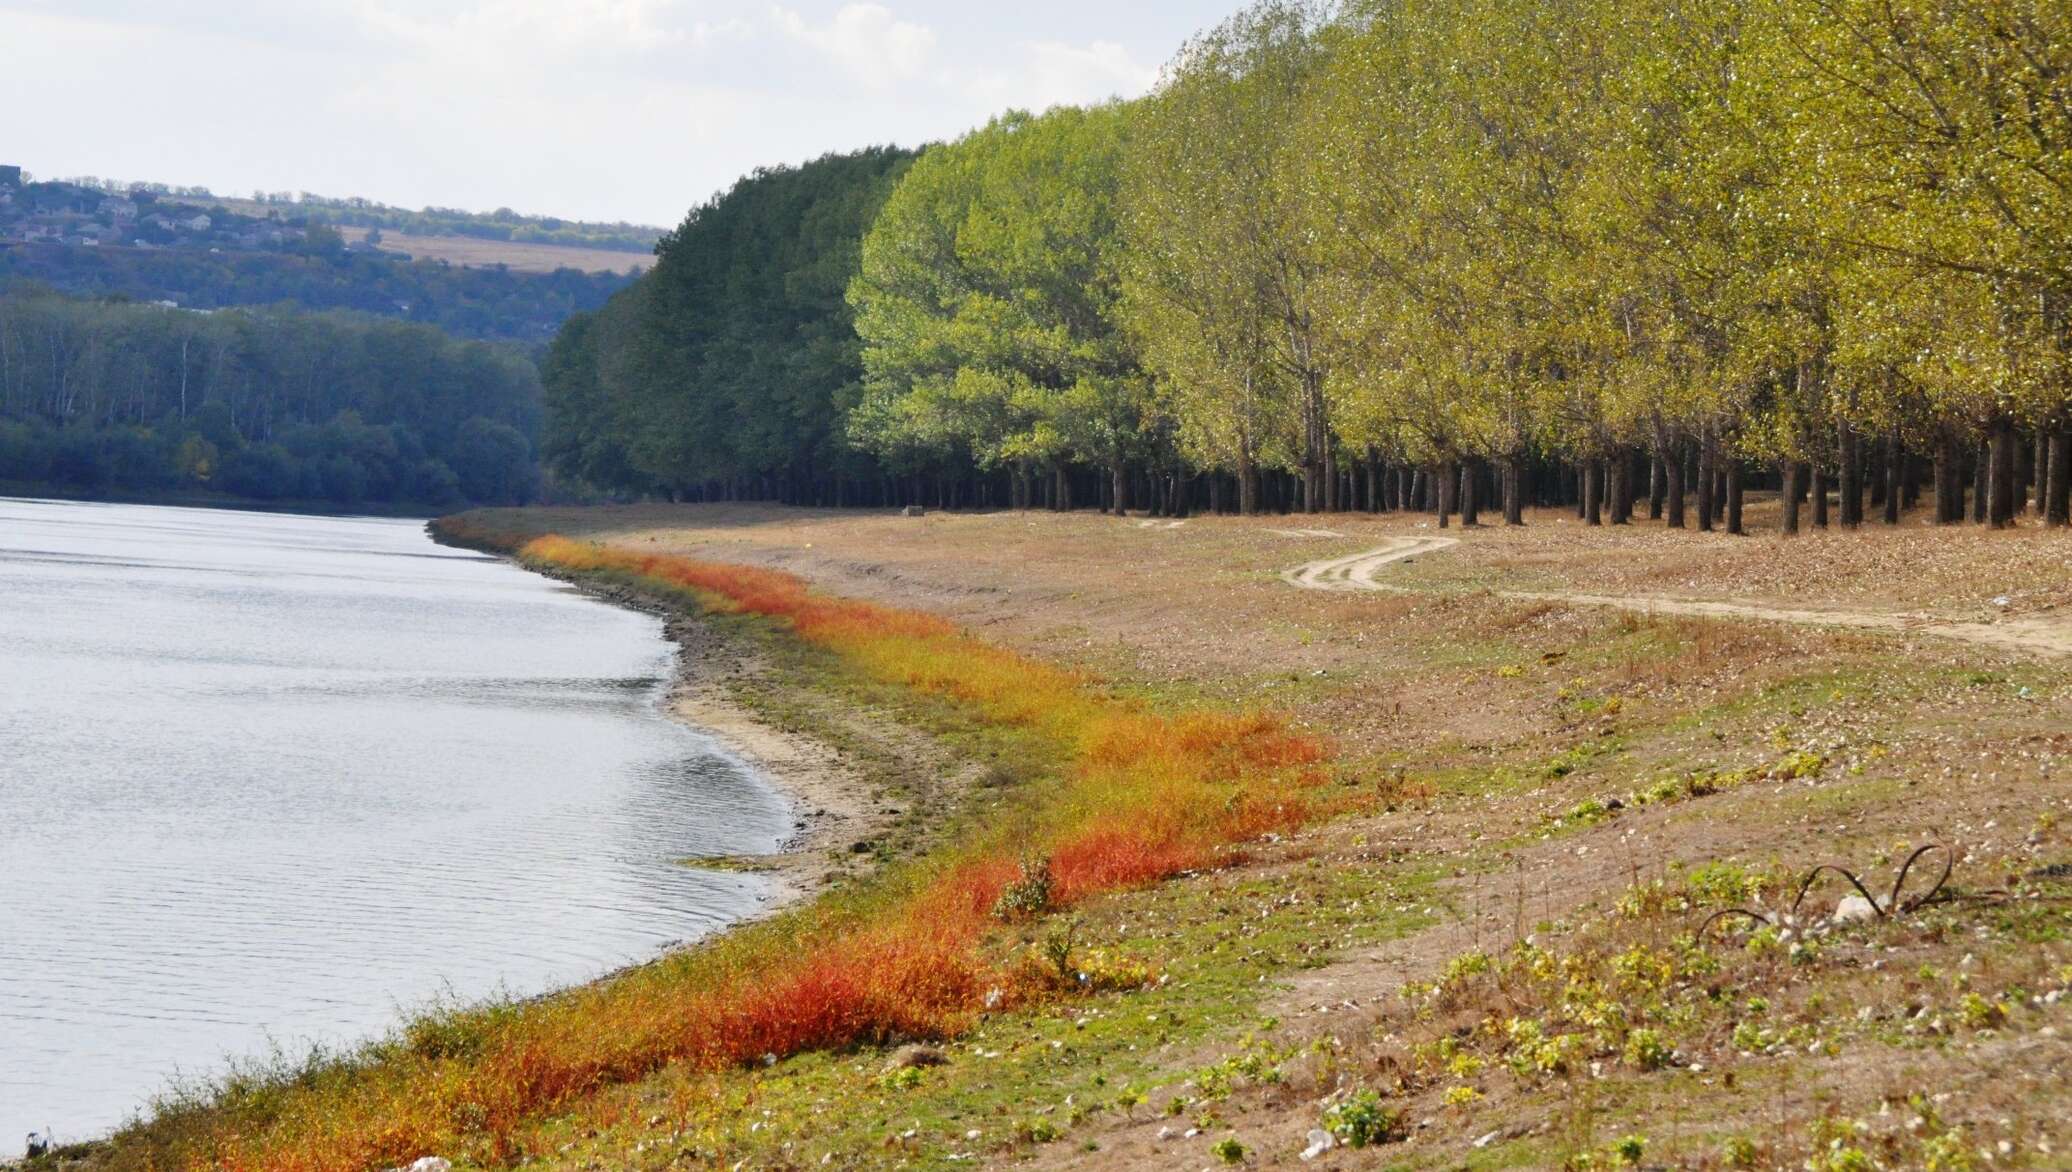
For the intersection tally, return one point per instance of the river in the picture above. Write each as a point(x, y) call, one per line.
point(272, 781)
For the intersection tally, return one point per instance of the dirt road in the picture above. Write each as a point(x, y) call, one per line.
point(2036, 634)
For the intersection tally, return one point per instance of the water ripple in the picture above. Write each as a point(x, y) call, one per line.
point(271, 780)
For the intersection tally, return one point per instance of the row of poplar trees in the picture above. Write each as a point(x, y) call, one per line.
point(1457, 254)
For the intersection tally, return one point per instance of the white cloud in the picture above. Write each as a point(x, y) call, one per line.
point(594, 108)
point(508, 32)
point(1052, 73)
point(871, 44)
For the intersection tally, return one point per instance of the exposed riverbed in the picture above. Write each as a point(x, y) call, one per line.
point(271, 779)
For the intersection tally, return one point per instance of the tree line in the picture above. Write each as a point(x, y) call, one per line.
point(335, 408)
point(1454, 255)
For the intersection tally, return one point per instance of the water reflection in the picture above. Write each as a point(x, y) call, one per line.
point(271, 777)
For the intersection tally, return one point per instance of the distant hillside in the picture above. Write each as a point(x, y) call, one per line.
point(525, 243)
point(502, 225)
point(475, 252)
point(193, 249)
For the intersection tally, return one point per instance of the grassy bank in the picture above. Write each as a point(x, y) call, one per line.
point(1468, 931)
point(922, 951)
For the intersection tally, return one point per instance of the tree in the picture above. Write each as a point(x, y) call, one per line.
point(1221, 292)
point(987, 302)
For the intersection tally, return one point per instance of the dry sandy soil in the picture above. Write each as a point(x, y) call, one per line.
point(1504, 678)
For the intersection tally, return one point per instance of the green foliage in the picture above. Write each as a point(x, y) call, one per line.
point(987, 302)
point(1360, 1119)
point(1220, 289)
point(269, 406)
point(735, 357)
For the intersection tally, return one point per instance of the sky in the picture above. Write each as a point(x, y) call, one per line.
point(590, 109)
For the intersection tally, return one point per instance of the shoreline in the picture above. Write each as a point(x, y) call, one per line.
point(832, 805)
point(829, 800)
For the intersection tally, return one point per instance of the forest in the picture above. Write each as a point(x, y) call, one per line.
point(333, 409)
point(1451, 256)
point(735, 358)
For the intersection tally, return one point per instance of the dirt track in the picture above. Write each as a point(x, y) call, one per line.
point(2037, 634)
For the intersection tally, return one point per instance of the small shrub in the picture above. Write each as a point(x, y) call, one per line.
point(1229, 1150)
point(1646, 1050)
point(1361, 1120)
point(1980, 1014)
point(1029, 896)
point(1036, 1131)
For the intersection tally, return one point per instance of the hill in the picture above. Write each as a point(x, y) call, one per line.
point(201, 253)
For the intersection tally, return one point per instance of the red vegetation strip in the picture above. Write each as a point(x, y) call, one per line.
point(1146, 796)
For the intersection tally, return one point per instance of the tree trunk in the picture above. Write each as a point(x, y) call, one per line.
point(2039, 467)
point(1708, 456)
point(1514, 504)
point(1119, 480)
point(1949, 481)
point(1593, 492)
point(2001, 476)
point(1793, 474)
point(1981, 482)
point(2057, 478)
point(1734, 498)
point(1819, 495)
point(1895, 478)
point(1622, 487)
point(1448, 478)
point(1470, 492)
point(1852, 475)
point(1061, 494)
point(1673, 486)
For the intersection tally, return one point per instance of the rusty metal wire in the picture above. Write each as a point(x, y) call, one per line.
point(1892, 905)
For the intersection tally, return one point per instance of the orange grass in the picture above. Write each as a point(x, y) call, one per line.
point(1144, 796)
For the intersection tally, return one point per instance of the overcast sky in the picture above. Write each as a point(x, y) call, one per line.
point(595, 109)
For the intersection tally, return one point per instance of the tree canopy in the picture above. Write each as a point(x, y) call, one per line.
point(343, 409)
point(1367, 252)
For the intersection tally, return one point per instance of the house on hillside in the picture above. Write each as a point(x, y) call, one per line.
point(118, 209)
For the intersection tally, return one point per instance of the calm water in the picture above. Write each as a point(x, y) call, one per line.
point(271, 779)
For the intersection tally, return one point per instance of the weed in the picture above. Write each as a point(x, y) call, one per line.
point(1360, 1120)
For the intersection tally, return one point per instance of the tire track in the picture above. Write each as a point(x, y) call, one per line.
point(2045, 635)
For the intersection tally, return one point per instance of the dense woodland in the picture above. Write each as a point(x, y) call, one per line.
point(735, 359)
point(323, 408)
point(1455, 255)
